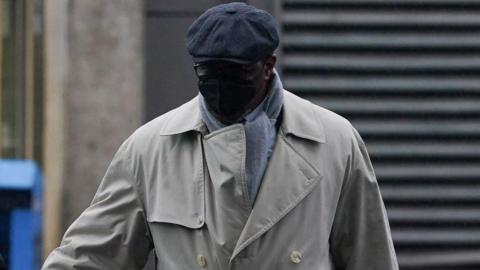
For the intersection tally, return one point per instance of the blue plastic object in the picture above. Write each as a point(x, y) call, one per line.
point(22, 239)
point(18, 174)
point(20, 214)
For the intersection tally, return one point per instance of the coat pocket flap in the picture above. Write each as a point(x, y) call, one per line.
point(193, 221)
point(180, 204)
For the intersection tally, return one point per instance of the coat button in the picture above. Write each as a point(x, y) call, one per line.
point(296, 256)
point(202, 261)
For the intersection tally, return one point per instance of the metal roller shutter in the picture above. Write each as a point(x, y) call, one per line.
point(407, 75)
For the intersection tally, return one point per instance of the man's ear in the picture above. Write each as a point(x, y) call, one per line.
point(269, 65)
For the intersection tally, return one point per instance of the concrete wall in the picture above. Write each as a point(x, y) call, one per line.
point(93, 96)
point(105, 91)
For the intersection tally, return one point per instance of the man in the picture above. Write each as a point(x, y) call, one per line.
point(244, 176)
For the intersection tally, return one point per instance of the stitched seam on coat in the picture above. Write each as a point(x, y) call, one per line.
point(344, 186)
point(243, 176)
point(202, 181)
point(130, 172)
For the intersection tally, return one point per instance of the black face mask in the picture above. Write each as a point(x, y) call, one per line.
point(227, 97)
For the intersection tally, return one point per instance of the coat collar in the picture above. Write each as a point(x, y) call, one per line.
point(182, 119)
point(299, 119)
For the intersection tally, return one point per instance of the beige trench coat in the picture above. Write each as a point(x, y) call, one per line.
point(175, 188)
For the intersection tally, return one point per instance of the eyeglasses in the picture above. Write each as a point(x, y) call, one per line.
point(227, 70)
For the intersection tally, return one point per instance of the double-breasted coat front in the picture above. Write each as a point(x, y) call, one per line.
point(175, 188)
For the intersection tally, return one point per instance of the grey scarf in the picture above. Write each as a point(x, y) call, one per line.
point(260, 131)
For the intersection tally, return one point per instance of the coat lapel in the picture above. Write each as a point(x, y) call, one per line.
point(288, 179)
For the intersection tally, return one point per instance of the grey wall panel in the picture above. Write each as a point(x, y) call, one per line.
point(407, 75)
point(102, 96)
point(170, 80)
point(180, 6)
point(197, 6)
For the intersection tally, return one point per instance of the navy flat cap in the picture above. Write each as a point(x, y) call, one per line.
point(235, 31)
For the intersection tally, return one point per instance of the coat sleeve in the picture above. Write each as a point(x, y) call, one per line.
point(112, 232)
point(361, 237)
